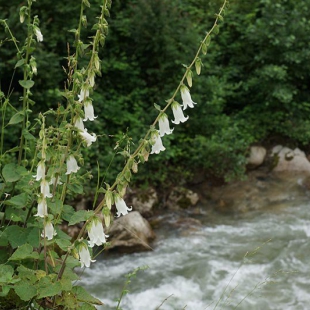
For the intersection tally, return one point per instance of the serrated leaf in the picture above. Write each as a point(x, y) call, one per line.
point(80, 216)
point(26, 84)
point(76, 188)
point(25, 290)
point(63, 244)
point(17, 118)
point(18, 200)
point(86, 306)
point(6, 273)
point(33, 237)
point(10, 173)
point(83, 296)
point(25, 251)
point(16, 235)
point(19, 63)
point(55, 206)
point(67, 212)
point(28, 135)
point(47, 288)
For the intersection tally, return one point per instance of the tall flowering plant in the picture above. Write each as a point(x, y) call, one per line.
point(38, 261)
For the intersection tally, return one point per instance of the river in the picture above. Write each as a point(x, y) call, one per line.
point(253, 260)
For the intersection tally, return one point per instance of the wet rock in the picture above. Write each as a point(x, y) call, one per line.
point(256, 156)
point(290, 160)
point(130, 233)
point(181, 198)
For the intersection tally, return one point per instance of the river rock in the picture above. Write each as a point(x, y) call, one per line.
point(287, 159)
point(144, 201)
point(256, 156)
point(181, 198)
point(130, 233)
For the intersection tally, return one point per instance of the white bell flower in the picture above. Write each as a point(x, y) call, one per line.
point(157, 147)
point(72, 165)
point(45, 189)
point(39, 35)
point(89, 111)
point(164, 128)
point(88, 138)
point(186, 97)
point(40, 171)
point(84, 255)
point(96, 233)
point(121, 207)
point(84, 94)
point(79, 124)
point(49, 231)
point(42, 207)
point(178, 113)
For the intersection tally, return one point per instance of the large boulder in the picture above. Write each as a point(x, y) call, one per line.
point(144, 201)
point(130, 233)
point(286, 159)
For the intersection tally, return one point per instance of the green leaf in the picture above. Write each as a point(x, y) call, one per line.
point(216, 29)
point(6, 273)
point(80, 216)
point(208, 40)
point(3, 238)
point(11, 173)
point(17, 118)
point(47, 288)
point(76, 188)
point(5, 290)
point(25, 290)
point(19, 63)
point(87, 307)
point(16, 235)
point(68, 211)
point(26, 84)
point(84, 296)
point(18, 200)
point(28, 135)
point(34, 236)
point(55, 206)
point(63, 244)
point(24, 252)
point(157, 107)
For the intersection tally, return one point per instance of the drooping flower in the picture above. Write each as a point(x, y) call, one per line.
point(88, 138)
point(178, 113)
point(157, 147)
point(84, 255)
point(79, 124)
point(84, 93)
point(45, 189)
point(40, 171)
point(96, 233)
point(49, 231)
point(42, 207)
point(164, 128)
point(72, 165)
point(89, 111)
point(39, 35)
point(121, 207)
point(186, 97)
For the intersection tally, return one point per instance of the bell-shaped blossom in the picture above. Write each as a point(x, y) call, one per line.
point(72, 165)
point(121, 207)
point(49, 231)
point(45, 189)
point(42, 207)
point(186, 97)
point(84, 94)
point(178, 113)
point(79, 124)
point(40, 171)
point(38, 34)
point(89, 111)
point(96, 233)
point(88, 138)
point(84, 255)
point(164, 128)
point(157, 147)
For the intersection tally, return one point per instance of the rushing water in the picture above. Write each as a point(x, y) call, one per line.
point(208, 268)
